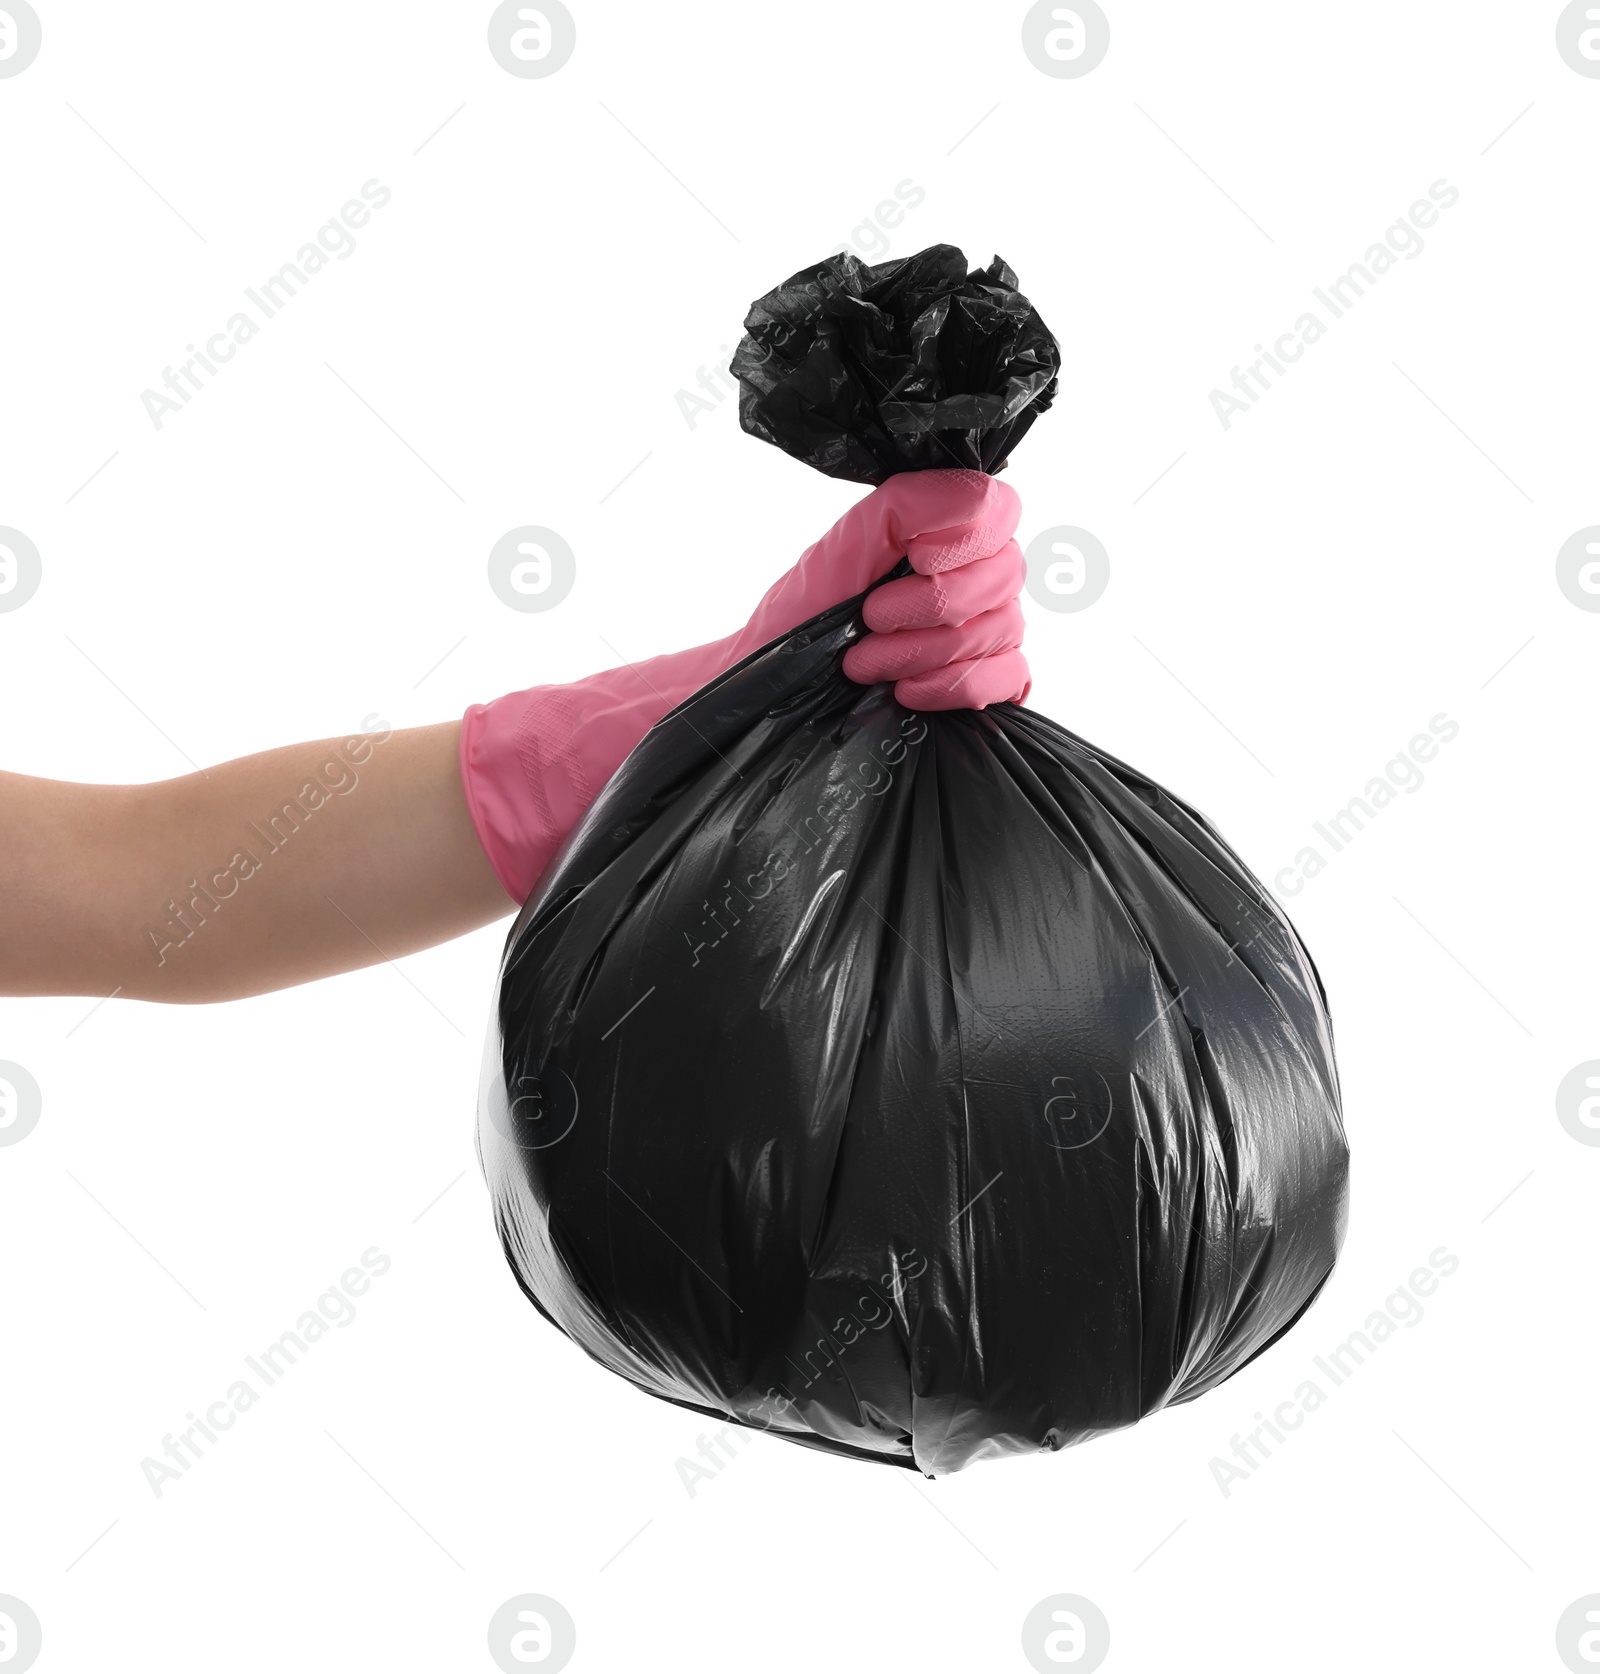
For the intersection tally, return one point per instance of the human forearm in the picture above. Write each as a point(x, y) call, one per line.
point(261, 873)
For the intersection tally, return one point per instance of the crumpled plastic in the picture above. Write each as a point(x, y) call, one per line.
point(924, 1088)
point(866, 371)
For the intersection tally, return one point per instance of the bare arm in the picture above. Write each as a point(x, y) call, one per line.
point(261, 873)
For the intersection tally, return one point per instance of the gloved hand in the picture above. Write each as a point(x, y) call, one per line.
point(948, 637)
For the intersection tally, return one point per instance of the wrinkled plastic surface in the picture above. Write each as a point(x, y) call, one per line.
point(913, 364)
point(921, 1087)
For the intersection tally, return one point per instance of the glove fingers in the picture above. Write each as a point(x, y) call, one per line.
point(949, 518)
point(971, 685)
point(916, 651)
point(930, 601)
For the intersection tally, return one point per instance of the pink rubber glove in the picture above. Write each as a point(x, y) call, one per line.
point(948, 637)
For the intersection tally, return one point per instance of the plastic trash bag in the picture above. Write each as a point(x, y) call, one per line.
point(921, 1087)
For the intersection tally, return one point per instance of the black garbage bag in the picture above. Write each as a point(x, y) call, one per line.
point(921, 1087)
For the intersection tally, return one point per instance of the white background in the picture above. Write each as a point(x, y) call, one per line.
point(273, 563)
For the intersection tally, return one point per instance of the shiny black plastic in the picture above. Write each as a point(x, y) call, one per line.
point(866, 371)
point(925, 1088)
